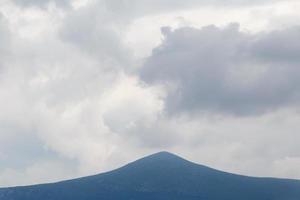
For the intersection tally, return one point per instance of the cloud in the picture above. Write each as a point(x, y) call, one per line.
point(138, 8)
point(42, 3)
point(68, 100)
point(146, 7)
point(4, 40)
point(226, 71)
point(96, 31)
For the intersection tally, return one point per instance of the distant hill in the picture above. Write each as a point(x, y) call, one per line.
point(161, 176)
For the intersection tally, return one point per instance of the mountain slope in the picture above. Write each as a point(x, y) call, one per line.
point(161, 176)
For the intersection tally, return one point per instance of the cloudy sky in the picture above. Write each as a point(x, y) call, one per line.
point(89, 85)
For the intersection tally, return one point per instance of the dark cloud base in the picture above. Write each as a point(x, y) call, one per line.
point(224, 70)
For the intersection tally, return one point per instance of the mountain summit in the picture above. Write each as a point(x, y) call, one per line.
point(161, 176)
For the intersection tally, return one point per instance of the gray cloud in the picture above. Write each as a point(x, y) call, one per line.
point(225, 70)
point(42, 3)
point(5, 47)
point(138, 7)
point(135, 8)
point(96, 31)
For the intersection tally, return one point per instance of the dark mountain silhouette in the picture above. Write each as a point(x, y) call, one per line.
point(161, 176)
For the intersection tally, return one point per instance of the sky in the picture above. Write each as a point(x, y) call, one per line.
point(87, 86)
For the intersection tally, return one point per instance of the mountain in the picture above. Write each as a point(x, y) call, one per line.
point(161, 176)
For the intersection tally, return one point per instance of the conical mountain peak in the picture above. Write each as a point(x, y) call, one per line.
point(164, 155)
point(161, 158)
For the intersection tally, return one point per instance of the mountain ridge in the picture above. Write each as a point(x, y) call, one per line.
point(161, 176)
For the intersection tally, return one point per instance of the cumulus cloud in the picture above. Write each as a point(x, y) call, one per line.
point(96, 31)
point(69, 99)
point(225, 70)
